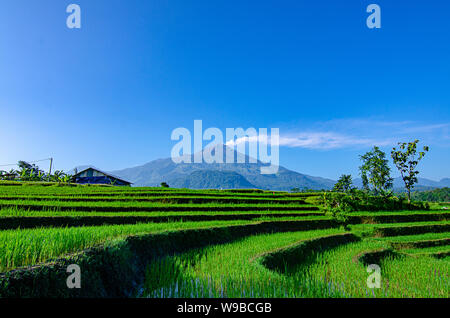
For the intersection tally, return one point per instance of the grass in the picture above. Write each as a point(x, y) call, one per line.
point(400, 229)
point(428, 250)
point(390, 213)
point(400, 276)
point(137, 206)
point(168, 199)
point(31, 246)
point(19, 212)
point(49, 220)
point(238, 268)
point(34, 188)
point(230, 270)
point(418, 237)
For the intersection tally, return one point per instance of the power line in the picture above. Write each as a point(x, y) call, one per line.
point(15, 164)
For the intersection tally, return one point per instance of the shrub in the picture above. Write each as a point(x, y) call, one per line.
point(358, 200)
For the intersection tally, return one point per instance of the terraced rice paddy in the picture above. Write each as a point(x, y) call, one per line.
point(186, 243)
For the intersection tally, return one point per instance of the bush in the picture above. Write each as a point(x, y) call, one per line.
point(435, 195)
point(358, 200)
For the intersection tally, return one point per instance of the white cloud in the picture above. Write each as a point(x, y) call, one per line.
point(317, 140)
point(328, 140)
point(426, 128)
point(244, 139)
point(354, 133)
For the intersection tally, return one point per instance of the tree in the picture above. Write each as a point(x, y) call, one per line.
point(164, 185)
point(406, 160)
point(344, 184)
point(30, 172)
point(375, 171)
point(57, 176)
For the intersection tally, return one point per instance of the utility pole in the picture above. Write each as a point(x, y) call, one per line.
point(50, 170)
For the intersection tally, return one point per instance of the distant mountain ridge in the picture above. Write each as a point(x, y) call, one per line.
point(239, 176)
point(212, 179)
point(244, 175)
point(423, 184)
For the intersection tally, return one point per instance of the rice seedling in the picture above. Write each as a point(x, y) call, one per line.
point(231, 270)
point(31, 246)
point(237, 268)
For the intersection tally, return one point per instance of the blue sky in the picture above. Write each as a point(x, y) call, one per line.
point(110, 93)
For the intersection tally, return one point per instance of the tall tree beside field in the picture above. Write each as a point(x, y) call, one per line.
point(375, 171)
point(406, 159)
point(344, 184)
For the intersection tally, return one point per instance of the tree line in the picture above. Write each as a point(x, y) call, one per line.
point(376, 173)
point(435, 195)
point(31, 172)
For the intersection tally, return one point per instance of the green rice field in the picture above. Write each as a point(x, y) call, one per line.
point(211, 243)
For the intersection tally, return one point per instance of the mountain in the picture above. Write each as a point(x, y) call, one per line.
point(445, 182)
point(245, 175)
point(435, 195)
point(239, 176)
point(422, 185)
point(212, 179)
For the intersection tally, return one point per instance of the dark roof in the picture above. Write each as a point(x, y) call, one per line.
point(105, 173)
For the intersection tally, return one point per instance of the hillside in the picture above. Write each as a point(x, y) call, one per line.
point(211, 243)
point(423, 184)
point(211, 179)
point(165, 170)
point(239, 176)
point(436, 195)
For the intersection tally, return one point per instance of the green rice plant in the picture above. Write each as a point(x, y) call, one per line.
point(401, 276)
point(149, 199)
point(54, 189)
point(231, 270)
point(418, 237)
point(137, 205)
point(234, 269)
point(400, 229)
point(434, 250)
point(29, 247)
point(20, 212)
